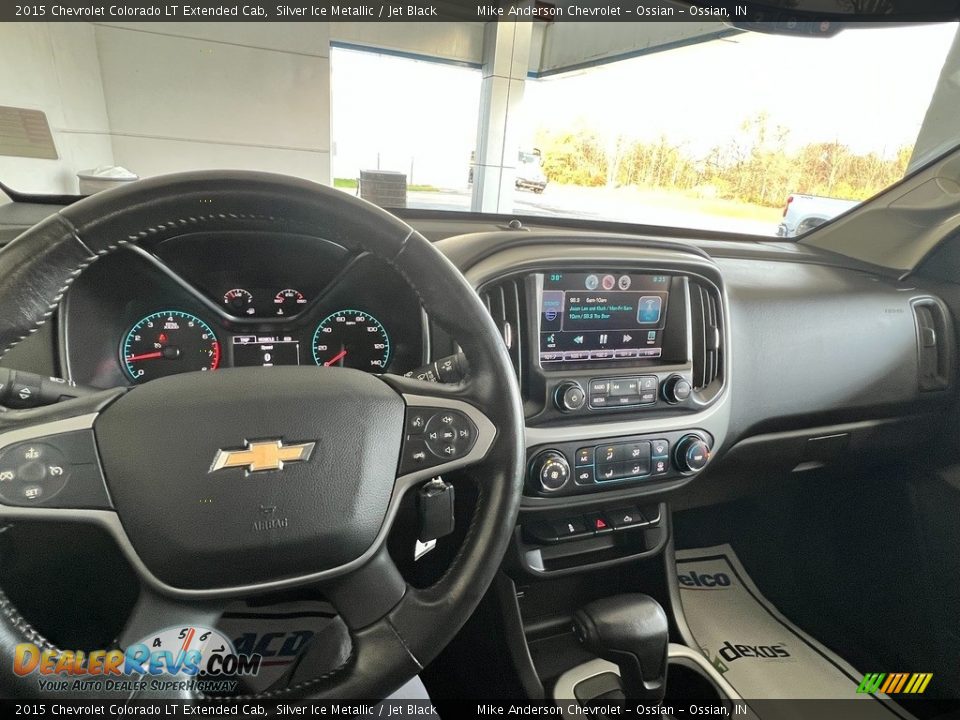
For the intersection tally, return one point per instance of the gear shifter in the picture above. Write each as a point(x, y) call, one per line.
point(629, 630)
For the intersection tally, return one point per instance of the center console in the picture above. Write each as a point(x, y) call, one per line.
point(623, 355)
point(623, 365)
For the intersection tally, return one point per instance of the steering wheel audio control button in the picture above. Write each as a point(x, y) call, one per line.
point(435, 436)
point(417, 421)
point(449, 434)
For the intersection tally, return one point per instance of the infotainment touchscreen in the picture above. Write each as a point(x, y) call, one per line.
point(602, 317)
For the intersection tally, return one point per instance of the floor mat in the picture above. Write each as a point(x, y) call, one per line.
point(758, 651)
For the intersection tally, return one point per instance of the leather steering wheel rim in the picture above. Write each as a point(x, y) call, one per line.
point(37, 269)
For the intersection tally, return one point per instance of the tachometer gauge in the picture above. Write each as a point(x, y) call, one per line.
point(351, 338)
point(239, 301)
point(289, 302)
point(167, 343)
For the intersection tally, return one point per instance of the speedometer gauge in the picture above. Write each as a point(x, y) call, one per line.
point(351, 338)
point(169, 342)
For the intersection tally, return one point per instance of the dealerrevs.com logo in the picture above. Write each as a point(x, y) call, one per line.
point(175, 659)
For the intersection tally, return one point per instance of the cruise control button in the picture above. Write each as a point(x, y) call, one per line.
point(32, 452)
point(32, 492)
point(32, 472)
point(625, 517)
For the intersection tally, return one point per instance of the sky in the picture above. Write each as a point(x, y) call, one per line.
point(868, 89)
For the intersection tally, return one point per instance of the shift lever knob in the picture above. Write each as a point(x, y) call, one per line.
point(630, 630)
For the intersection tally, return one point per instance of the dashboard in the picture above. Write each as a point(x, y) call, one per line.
point(203, 302)
point(652, 369)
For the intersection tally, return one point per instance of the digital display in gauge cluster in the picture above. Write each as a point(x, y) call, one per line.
point(265, 350)
point(168, 342)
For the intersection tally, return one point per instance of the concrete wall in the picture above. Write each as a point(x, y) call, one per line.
point(159, 97)
point(218, 95)
point(53, 67)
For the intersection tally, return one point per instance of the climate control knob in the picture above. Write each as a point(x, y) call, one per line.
point(676, 389)
point(552, 470)
point(569, 396)
point(691, 453)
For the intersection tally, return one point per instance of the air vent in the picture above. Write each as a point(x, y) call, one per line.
point(707, 328)
point(505, 302)
point(932, 345)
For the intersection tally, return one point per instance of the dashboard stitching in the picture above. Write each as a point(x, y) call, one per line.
point(74, 274)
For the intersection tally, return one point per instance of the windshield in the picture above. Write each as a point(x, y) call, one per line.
point(690, 125)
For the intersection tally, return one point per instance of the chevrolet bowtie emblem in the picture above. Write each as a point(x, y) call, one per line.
point(262, 455)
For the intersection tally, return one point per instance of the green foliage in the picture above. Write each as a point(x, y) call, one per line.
point(755, 167)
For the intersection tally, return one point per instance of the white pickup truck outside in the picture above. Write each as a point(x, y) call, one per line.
point(805, 212)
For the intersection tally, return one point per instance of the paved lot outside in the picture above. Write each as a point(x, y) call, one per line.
point(621, 205)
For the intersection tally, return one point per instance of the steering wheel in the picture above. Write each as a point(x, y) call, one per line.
point(341, 445)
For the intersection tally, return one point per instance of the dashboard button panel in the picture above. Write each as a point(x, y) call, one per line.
point(614, 463)
point(619, 392)
point(54, 471)
point(435, 436)
point(598, 522)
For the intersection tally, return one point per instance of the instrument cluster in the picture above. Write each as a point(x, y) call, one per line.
point(201, 304)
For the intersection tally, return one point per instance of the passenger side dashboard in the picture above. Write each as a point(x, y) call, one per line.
point(793, 365)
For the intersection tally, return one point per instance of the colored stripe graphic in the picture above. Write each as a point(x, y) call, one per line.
point(894, 683)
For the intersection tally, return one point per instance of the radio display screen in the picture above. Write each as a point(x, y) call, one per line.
point(602, 317)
